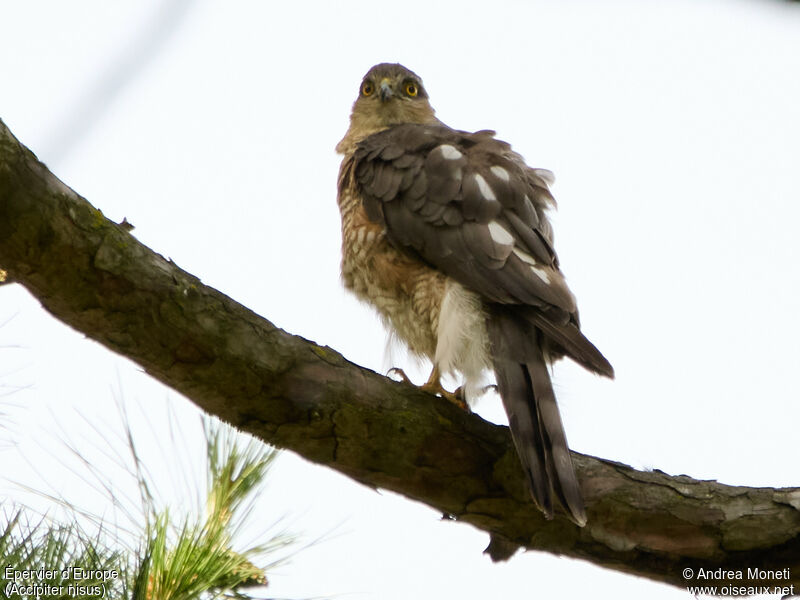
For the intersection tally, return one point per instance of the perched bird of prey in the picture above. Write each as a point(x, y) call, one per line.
point(445, 233)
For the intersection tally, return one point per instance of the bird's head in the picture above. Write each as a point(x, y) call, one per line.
point(389, 95)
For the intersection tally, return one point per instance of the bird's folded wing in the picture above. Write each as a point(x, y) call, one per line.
point(467, 205)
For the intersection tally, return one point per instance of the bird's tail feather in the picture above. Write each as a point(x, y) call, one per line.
point(575, 344)
point(560, 471)
point(534, 419)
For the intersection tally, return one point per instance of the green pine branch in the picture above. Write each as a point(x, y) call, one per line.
point(189, 557)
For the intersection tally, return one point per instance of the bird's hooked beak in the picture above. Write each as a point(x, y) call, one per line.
point(386, 92)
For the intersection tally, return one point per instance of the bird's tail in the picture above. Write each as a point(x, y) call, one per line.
point(527, 392)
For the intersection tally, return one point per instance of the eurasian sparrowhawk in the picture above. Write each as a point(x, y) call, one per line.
point(445, 233)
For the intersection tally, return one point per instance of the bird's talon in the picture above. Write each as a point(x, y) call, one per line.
point(460, 398)
point(456, 397)
point(400, 373)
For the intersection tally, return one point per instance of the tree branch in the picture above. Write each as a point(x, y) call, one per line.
point(93, 275)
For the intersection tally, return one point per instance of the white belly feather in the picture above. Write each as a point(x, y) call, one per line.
point(462, 344)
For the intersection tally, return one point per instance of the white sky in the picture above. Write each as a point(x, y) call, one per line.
point(674, 133)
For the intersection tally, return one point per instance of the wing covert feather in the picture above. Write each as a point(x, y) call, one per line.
point(469, 206)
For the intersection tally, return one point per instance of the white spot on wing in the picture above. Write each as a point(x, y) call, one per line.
point(522, 255)
point(541, 274)
point(486, 190)
point(500, 172)
point(500, 234)
point(450, 152)
point(537, 270)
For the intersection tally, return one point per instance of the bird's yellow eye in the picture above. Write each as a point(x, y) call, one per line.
point(367, 88)
point(411, 89)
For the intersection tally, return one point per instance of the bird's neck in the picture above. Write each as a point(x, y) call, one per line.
point(365, 123)
point(359, 130)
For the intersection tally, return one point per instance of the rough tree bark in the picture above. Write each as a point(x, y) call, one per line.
point(95, 276)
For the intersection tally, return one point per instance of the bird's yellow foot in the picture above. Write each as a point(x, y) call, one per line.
point(434, 386)
point(456, 397)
